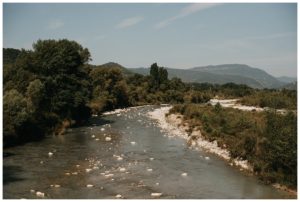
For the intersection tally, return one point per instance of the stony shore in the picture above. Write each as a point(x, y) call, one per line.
point(174, 125)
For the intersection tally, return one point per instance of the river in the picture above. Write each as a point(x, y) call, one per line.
point(127, 155)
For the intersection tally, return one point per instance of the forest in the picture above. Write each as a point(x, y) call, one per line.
point(53, 87)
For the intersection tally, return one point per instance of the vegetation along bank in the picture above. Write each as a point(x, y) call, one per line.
point(53, 86)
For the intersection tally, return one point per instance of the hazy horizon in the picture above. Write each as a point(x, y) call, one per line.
point(175, 35)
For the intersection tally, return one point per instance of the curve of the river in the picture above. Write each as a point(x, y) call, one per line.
point(122, 155)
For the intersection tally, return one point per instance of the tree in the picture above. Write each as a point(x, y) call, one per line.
point(15, 112)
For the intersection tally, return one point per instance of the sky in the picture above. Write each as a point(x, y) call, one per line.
point(177, 35)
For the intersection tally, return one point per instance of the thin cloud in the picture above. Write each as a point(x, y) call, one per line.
point(55, 24)
point(186, 11)
point(129, 22)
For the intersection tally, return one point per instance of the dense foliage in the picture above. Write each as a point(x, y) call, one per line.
point(51, 87)
point(44, 89)
point(267, 140)
point(272, 98)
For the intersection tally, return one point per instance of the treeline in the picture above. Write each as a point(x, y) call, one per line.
point(45, 90)
point(52, 87)
point(283, 99)
point(267, 140)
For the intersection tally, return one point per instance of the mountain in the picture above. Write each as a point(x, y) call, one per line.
point(262, 77)
point(287, 79)
point(291, 86)
point(221, 74)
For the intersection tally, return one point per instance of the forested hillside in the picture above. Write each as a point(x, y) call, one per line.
point(52, 87)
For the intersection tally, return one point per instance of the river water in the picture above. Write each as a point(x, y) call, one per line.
point(139, 160)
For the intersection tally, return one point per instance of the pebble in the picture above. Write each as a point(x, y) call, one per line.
point(57, 186)
point(132, 143)
point(122, 169)
point(89, 185)
point(109, 175)
point(151, 159)
point(50, 154)
point(40, 194)
point(88, 170)
point(77, 166)
point(119, 158)
point(93, 136)
point(149, 170)
point(41, 162)
point(207, 158)
point(102, 129)
point(156, 194)
point(32, 190)
point(119, 196)
point(67, 173)
point(184, 174)
point(157, 183)
point(107, 139)
point(75, 173)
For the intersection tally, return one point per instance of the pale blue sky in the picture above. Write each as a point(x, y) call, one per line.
point(173, 35)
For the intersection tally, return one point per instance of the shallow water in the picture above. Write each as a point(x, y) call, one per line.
point(137, 145)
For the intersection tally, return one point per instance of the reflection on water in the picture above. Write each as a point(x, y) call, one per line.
point(134, 161)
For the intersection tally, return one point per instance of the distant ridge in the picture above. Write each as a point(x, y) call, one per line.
point(221, 74)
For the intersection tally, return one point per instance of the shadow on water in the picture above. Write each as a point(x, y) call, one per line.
point(99, 121)
point(10, 174)
point(8, 154)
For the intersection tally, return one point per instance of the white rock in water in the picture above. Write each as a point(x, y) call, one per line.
point(41, 162)
point(67, 173)
point(107, 139)
point(132, 143)
point(97, 139)
point(207, 158)
point(156, 194)
point(40, 194)
point(151, 159)
point(122, 169)
point(102, 129)
point(109, 175)
point(32, 190)
point(157, 183)
point(149, 170)
point(75, 173)
point(89, 185)
point(184, 174)
point(57, 186)
point(78, 166)
point(88, 170)
point(118, 114)
point(119, 196)
point(119, 158)
point(50, 154)
point(93, 136)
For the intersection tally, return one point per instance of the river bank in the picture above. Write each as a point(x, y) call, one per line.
point(123, 155)
point(174, 125)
